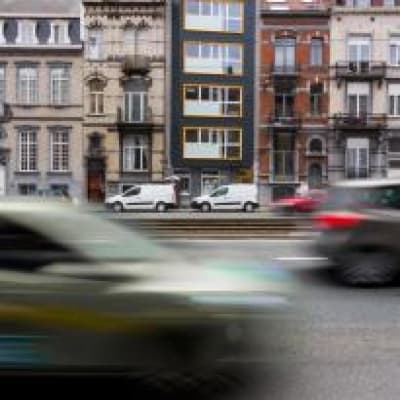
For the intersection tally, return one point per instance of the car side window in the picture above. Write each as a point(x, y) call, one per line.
point(390, 197)
point(132, 192)
point(220, 192)
point(24, 249)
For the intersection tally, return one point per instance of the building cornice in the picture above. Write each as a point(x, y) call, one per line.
point(338, 10)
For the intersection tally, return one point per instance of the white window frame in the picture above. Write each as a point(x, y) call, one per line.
point(60, 85)
point(129, 151)
point(218, 8)
point(313, 55)
point(359, 42)
point(394, 92)
point(31, 79)
point(27, 33)
point(222, 99)
point(60, 150)
point(96, 98)
point(216, 51)
point(395, 42)
point(128, 106)
point(27, 143)
point(2, 38)
point(359, 90)
point(357, 145)
point(95, 50)
point(2, 88)
point(216, 136)
point(63, 33)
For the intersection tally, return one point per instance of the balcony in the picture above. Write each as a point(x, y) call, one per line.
point(136, 118)
point(285, 71)
point(353, 122)
point(285, 166)
point(364, 70)
point(286, 121)
point(135, 65)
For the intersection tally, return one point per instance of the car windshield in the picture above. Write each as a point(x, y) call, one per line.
point(373, 197)
point(94, 237)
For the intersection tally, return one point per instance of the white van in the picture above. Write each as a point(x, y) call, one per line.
point(158, 197)
point(238, 196)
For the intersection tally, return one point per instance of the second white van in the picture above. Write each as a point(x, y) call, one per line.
point(158, 197)
point(238, 196)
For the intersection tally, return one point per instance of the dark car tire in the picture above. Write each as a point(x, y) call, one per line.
point(205, 207)
point(368, 268)
point(249, 207)
point(161, 207)
point(118, 207)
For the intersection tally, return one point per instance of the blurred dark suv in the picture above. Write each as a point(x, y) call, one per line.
point(360, 230)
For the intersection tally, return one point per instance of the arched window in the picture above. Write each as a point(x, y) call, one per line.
point(315, 145)
point(315, 176)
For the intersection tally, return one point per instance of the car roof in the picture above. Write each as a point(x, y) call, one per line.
point(367, 183)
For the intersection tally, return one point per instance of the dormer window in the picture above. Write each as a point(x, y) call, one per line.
point(27, 32)
point(59, 33)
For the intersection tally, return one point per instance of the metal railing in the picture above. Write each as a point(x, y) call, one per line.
point(362, 120)
point(361, 69)
point(145, 118)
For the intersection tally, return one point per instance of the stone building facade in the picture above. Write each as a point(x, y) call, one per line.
point(40, 103)
point(124, 93)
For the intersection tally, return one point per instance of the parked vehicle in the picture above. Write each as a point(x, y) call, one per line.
point(360, 229)
point(85, 295)
point(305, 203)
point(238, 196)
point(158, 197)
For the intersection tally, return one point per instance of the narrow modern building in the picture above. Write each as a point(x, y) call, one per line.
point(124, 94)
point(40, 100)
point(294, 96)
point(365, 90)
point(212, 93)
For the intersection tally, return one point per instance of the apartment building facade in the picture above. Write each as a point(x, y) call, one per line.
point(212, 93)
point(293, 96)
point(40, 103)
point(124, 94)
point(365, 90)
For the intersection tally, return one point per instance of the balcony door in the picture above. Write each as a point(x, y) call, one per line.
point(357, 158)
point(284, 104)
point(285, 55)
point(284, 157)
point(358, 99)
point(359, 54)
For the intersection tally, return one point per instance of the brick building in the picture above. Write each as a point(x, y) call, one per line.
point(293, 98)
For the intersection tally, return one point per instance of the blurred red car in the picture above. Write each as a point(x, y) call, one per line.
point(307, 203)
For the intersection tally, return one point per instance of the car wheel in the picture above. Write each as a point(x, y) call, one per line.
point(161, 207)
point(118, 207)
point(363, 269)
point(205, 207)
point(248, 207)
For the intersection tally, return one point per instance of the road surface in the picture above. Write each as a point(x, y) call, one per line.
point(351, 343)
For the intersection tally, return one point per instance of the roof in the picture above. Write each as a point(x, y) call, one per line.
point(367, 183)
point(40, 7)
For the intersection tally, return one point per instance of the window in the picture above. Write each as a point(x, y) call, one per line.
point(59, 33)
point(27, 189)
point(135, 153)
point(315, 176)
point(60, 85)
point(60, 151)
point(359, 3)
point(358, 99)
point(132, 192)
point(185, 184)
point(96, 95)
point(27, 151)
point(135, 107)
point(315, 145)
point(394, 99)
point(316, 92)
point(212, 101)
point(357, 158)
point(213, 143)
point(285, 53)
point(209, 181)
point(27, 85)
point(213, 58)
point(284, 105)
point(95, 45)
point(359, 53)
point(316, 51)
point(59, 190)
point(27, 33)
point(394, 50)
point(219, 192)
point(394, 145)
point(130, 37)
point(214, 15)
point(392, 3)
point(284, 158)
point(2, 88)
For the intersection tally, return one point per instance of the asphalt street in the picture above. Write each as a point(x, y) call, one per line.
point(347, 345)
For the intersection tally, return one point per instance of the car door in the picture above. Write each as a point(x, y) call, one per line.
point(219, 198)
point(132, 198)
